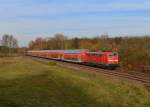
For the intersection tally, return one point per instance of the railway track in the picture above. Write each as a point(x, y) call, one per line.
point(124, 76)
point(142, 78)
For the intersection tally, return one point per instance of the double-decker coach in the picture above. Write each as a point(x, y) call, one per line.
point(104, 59)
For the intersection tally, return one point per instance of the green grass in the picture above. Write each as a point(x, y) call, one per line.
point(28, 83)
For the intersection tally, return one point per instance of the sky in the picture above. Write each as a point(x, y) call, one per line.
point(28, 19)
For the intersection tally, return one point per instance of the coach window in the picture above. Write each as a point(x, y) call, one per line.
point(96, 55)
point(88, 54)
point(92, 54)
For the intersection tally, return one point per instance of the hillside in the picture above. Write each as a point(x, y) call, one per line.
point(28, 83)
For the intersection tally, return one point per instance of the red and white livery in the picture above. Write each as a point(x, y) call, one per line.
point(104, 59)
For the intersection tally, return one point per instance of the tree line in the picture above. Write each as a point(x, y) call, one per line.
point(133, 51)
point(60, 41)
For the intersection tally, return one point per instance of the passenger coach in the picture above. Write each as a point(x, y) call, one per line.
point(103, 59)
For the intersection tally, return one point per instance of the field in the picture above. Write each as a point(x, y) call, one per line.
point(27, 83)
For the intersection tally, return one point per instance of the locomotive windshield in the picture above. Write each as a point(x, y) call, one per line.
point(113, 55)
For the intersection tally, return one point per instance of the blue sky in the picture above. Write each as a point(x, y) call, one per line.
point(28, 19)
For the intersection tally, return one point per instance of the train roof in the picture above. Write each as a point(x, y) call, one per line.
point(45, 51)
point(100, 52)
point(64, 51)
point(73, 51)
point(76, 51)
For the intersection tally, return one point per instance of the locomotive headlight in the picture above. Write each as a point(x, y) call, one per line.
point(113, 61)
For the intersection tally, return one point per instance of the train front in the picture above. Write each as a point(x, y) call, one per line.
point(112, 60)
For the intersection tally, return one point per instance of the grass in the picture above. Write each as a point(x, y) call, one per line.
point(28, 83)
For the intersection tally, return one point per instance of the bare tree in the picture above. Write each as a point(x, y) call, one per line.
point(59, 41)
point(9, 42)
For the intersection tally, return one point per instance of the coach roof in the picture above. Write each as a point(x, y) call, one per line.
point(64, 51)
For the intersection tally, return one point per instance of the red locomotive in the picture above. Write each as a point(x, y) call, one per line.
point(103, 59)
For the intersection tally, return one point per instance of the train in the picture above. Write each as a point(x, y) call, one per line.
point(81, 56)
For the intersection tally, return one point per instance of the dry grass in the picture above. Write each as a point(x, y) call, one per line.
point(28, 83)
